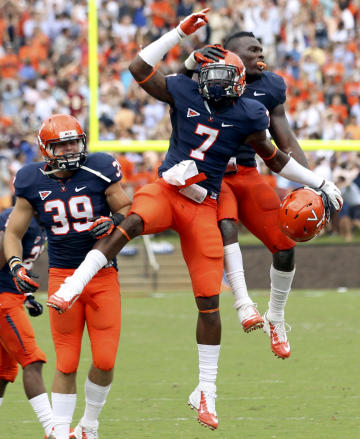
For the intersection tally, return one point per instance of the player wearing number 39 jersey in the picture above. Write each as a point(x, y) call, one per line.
point(67, 192)
point(210, 122)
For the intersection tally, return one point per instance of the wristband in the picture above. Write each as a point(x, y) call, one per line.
point(13, 261)
point(190, 62)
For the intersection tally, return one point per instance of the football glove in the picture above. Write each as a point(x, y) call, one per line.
point(207, 54)
point(104, 225)
point(333, 194)
point(22, 277)
point(192, 23)
point(34, 307)
point(210, 53)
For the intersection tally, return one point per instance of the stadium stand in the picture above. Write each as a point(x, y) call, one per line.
point(314, 45)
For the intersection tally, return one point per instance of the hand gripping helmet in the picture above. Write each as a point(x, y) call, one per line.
point(222, 79)
point(60, 128)
point(303, 213)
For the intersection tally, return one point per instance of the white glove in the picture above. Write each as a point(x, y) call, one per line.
point(333, 193)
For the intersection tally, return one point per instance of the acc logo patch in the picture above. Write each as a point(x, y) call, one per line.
point(192, 113)
point(44, 194)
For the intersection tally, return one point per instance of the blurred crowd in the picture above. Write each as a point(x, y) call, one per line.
point(313, 44)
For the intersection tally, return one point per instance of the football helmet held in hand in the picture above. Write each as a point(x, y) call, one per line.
point(62, 128)
point(303, 213)
point(224, 78)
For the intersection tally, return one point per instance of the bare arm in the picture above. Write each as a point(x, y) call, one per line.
point(2, 256)
point(284, 136)
point(18, 224)
point(117, 199)
point(156, 85)
point(265, 149)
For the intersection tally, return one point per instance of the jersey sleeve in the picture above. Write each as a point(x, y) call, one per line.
point(259, 117)
point(107, 165)
point(181, 89)
point(278, 89)
point(24, 180)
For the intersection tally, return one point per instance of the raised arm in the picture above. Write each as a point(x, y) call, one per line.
point(143, 67)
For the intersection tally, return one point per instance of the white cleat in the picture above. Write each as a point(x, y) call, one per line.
point(204, 402)
point(279, 342)
point(83, 431)
point(250, 317)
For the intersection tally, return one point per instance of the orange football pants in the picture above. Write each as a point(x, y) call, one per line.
point(17, 337)
point(162, 207)
point(246, 196)
point(99, 306)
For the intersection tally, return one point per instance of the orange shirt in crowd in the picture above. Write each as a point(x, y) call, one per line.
point(341, 112)
point(335, 69)
point(162, 13)
point(353, 131)
point(9, 65)
point(352, 91)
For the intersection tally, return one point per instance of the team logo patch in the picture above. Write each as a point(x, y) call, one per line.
point(192, 113)
point(44, 194)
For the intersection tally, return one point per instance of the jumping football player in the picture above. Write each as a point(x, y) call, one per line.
point(246, 196)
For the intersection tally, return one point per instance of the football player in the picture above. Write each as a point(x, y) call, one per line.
point(246, 196)
point(67, 191)
point(17, 337)
point(210, 122)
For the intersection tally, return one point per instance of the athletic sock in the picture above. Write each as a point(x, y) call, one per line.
point(42, 408)
point(95, 397)
point(63, 409)
point(281, 282)
point(1, 400)
point(208, 365)
point(234, 270)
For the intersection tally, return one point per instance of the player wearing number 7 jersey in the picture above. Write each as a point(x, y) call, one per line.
point(67, 191)
point(210, 122)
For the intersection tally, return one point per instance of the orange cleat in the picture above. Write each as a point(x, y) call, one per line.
point(250, 317)
point(204, 402)
point(64, 298)
point(279, 342)
point(59, 304)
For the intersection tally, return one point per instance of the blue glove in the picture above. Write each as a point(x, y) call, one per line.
point(34, 308)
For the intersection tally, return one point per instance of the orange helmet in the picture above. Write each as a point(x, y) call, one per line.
point(303, 213)
point(224, 78)
point(62, 128)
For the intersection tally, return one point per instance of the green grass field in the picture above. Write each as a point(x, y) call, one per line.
point(313, 395)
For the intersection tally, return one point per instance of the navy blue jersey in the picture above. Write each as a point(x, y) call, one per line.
point(33, 244)
point(270, 90)
point(65, 206)
point(210, 139)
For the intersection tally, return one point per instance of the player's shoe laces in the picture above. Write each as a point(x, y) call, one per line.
point(279, 342)
point(51, 435)
point(83, 431)
point(250, 317)
point(204, 402)
point(63, 299)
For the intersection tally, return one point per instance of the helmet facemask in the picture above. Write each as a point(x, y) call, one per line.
point(68, 161)
point(218, 81)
